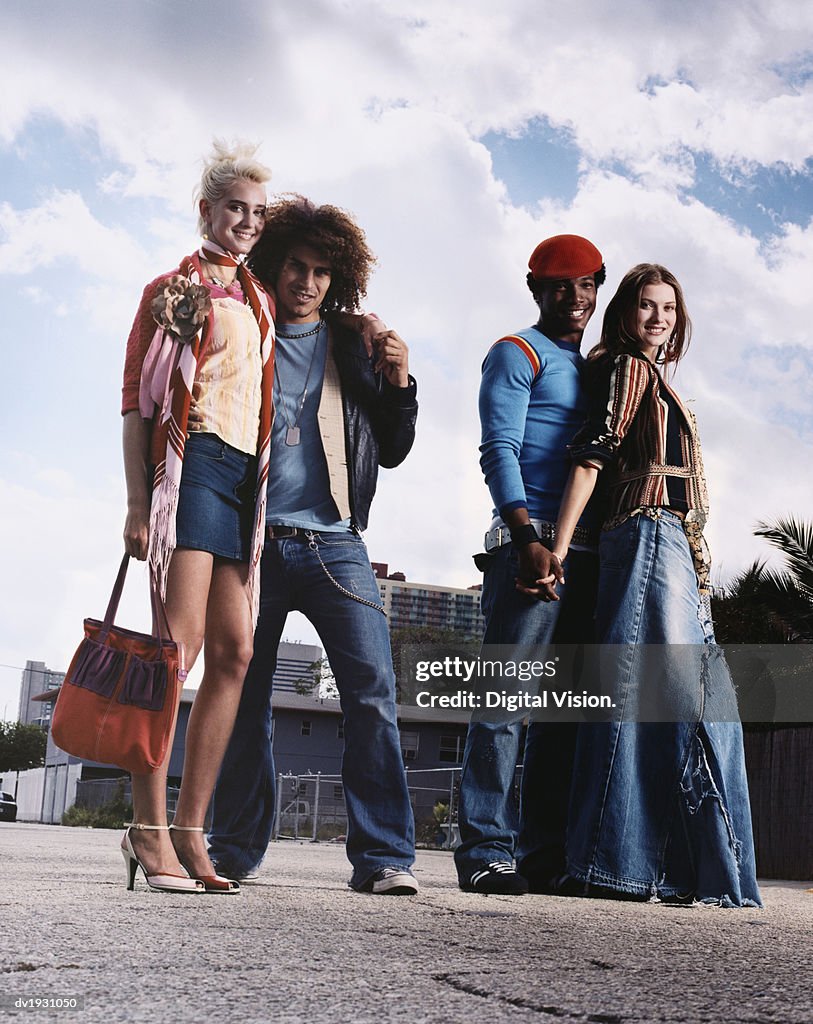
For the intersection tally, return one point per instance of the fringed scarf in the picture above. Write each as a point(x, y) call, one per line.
point(165, 395)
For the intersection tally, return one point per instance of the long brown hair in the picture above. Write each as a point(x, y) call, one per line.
point(617, 333)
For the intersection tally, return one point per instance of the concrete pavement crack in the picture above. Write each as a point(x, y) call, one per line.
point(469, 988)
point(518, 1001)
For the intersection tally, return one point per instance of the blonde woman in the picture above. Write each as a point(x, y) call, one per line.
point(196, 502)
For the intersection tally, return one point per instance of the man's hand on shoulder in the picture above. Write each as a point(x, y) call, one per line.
point(391, 357)
point(386, 348)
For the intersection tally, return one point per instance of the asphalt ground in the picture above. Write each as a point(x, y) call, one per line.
point(299, 946)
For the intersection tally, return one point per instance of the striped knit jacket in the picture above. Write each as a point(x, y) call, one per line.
point(626, 435)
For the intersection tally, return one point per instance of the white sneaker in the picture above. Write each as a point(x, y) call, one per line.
point(391, 882)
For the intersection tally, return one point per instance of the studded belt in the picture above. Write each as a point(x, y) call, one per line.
point(500, 535)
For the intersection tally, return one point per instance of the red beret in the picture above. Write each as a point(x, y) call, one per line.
point(564, 256)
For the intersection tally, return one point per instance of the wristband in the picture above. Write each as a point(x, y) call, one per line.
point(522, 536)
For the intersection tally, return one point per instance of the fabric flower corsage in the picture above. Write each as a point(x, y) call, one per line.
point(181, 307)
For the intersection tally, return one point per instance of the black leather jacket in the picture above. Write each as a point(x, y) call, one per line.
point(379, 420)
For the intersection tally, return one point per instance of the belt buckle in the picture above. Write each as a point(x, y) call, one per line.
point(494, 538)
point(281, 532)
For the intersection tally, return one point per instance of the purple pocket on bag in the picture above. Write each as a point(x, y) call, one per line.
point(98, 668)
point(145, 684)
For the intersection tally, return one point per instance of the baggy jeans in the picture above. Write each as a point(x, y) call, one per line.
point(356, 641)
point(660, 808)
point(489, 827)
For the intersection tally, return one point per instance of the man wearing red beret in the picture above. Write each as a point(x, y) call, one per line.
point(531, 405)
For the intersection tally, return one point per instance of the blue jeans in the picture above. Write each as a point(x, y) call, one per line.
point(380, 829)
point(489, 827)
point(661, 808)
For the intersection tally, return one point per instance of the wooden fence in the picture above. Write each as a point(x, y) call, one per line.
point(779, 760)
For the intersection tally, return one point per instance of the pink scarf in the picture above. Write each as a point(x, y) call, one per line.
point(165, 395)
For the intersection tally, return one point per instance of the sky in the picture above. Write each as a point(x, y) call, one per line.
point(459, 136)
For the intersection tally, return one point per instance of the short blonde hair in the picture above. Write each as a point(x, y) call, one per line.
point(225, 165)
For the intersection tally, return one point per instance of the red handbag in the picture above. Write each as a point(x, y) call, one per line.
point(120, 696)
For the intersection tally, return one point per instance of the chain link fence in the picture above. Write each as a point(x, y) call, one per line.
point(96, 793)
point(313, 807)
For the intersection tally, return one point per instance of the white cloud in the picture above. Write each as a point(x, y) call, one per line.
point(637, 83)
point(62, 229)
point(378, 108)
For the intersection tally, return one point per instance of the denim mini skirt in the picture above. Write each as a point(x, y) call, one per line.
point(216, 500)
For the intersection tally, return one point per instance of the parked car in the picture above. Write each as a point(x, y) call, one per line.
point(8, 807)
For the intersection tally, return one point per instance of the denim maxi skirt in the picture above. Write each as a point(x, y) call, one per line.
point(216, 498)
point(659, 805)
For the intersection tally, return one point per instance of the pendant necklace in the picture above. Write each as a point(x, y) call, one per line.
point(293, 433)
point(212, 272)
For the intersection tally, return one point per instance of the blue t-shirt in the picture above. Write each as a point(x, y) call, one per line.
point(528, 418)
point(298, 481)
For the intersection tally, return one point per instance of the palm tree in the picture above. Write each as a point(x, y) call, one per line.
point(762, 605)
point(791, 586)
point(795, 539)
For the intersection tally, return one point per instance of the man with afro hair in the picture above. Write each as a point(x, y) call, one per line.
point(345, 405)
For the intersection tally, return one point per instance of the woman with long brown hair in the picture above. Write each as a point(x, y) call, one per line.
point(659, 805)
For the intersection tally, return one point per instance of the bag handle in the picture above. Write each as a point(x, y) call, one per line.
point(159, 610)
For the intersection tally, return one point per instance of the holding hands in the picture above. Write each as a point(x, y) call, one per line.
point(539, 572)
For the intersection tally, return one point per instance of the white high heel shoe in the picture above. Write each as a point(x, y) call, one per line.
point(213, 884)
point(160, 883)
